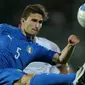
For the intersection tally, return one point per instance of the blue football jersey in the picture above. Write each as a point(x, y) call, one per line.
point(16, 51)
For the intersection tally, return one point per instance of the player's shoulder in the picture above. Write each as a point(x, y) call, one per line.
point(7, 29)
point(5, 25)
point(46, 41)
point(5, 40)
point(48, 44)
point(43, 39)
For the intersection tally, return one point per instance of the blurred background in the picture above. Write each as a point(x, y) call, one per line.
point(62, 22)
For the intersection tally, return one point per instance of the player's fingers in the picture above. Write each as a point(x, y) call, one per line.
point(73, 38)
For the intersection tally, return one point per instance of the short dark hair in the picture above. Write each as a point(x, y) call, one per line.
point(35, 8)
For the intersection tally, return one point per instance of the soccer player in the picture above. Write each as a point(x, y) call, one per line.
point(17, 50)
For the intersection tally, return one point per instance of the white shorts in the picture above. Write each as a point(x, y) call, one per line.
point(41, 67)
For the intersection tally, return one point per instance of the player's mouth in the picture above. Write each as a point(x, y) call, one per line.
point(36, 30)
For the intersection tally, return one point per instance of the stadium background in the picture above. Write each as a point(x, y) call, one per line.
point(61, 23)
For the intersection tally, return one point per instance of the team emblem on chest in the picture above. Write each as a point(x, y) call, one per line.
point(29, 49)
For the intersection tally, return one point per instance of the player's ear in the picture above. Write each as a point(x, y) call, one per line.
point(22, 20)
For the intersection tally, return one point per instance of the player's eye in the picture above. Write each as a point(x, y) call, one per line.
point(40, 21)
point(34, 20)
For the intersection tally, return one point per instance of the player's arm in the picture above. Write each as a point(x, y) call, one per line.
point(25, 80)
point(67, 51)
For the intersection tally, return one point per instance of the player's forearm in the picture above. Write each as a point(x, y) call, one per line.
point(25, 80)
point(64, 56)
point(66, 53)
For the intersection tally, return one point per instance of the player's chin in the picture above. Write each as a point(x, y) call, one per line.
point(34, 33)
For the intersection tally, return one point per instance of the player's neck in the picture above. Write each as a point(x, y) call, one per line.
point(29, 36)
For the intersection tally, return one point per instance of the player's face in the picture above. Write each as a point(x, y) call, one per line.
point(32, 24)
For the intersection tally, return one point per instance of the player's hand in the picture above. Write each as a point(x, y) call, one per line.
point(73, 40)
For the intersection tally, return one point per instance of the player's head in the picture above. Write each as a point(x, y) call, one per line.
point(32, 19)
